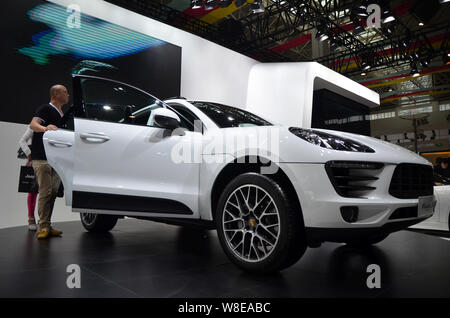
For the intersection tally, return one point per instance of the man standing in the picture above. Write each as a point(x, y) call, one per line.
point(442, 168)
point(47, 117)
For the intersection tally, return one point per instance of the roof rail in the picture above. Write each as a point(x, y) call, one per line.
point(175, 97)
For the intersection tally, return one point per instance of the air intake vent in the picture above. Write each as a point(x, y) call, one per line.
point(353, 179)
point(404, 213)
point(411, 181)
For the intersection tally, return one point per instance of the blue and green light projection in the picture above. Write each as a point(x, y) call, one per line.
point(94, 39)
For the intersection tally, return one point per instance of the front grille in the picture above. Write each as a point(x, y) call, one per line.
point(411, 181)
point(404, 213)
point(353, 179)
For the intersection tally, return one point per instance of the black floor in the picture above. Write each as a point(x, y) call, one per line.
point(146, 259)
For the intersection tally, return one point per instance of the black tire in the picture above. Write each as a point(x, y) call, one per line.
point(367, 241)
point(291, 242)
point(98, 223)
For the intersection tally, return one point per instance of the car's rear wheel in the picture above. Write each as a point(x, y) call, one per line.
point(98, 223)
point(364, 242)
point(258, 228)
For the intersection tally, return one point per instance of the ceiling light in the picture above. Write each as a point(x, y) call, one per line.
point(321, 36)
point(421, 24)
point(425, 62)
point(257, 6)
point(196, 4)
point(446, 59)
point(387, 16)
point(334, 47)
point(361, 11)
point(211, 4)
point(357, 27)
point(387, 31)
point(363, 73)
point(388, 19)
point(443, 1)
point(414, 71)
point(414, 56)
point(358, 30)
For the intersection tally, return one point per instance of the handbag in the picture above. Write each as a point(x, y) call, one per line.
point(27, 180)
point(21, 154)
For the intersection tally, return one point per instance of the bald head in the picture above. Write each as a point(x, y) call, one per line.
point(59, 94)
point(55, 89)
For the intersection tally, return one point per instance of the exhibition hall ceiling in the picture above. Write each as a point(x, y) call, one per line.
point(405, 58)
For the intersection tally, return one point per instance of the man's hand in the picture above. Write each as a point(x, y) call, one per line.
point(51, 127)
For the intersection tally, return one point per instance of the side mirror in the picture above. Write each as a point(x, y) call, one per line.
point(166, 118)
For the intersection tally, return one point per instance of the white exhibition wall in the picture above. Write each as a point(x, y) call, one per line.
point(281, 92)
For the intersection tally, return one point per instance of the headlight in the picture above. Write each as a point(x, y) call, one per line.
point(329, 141)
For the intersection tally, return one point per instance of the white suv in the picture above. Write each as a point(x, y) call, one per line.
point(270, 191)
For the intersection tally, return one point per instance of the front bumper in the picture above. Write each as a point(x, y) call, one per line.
point(321, 204)
point(319, 235)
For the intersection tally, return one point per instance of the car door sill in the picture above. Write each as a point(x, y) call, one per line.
point(83, 200)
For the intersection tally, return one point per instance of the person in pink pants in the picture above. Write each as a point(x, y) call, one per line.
point(31, 199)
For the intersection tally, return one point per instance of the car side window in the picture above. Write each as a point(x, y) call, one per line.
point(116, 102)
point(187, 117)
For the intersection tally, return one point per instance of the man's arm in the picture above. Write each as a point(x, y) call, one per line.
point(36, 125)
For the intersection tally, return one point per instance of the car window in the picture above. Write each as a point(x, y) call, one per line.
point(187, 117)
point(119, 103)
point(227, 116)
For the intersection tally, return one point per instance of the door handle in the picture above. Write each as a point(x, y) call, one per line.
point(94, 137)
point(57, 143)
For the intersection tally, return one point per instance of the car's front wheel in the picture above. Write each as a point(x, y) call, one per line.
point(98, 223)
point(258, 227)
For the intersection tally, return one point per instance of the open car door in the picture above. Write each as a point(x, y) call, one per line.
point(122, 161)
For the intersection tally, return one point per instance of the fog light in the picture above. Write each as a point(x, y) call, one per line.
point(350, 213)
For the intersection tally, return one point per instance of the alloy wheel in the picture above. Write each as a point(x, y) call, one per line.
point(251, 223)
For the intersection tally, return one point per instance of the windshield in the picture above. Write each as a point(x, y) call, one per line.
point(226, 116)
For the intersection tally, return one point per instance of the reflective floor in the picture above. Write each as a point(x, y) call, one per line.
point(147, 259)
